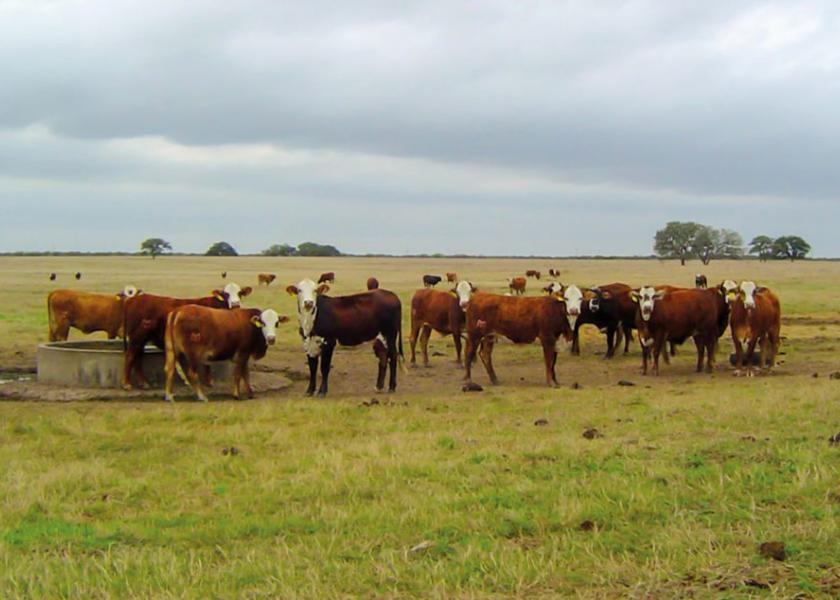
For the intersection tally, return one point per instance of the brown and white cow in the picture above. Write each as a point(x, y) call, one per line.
point(350, 321)
point(522, 320)
point(87, 312)
point(328, 277)
point(372, 283)
point(533, 273)
point(196, 335)
point(266, 278)
point(756, 320)
point(517, 285)
point(554, 272)
point(439, 311)
point(451, 277)
point(145, 322)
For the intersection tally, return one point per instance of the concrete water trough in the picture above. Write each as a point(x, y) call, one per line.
point(99, 363)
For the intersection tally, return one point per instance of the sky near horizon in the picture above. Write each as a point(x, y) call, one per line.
point(496, 127)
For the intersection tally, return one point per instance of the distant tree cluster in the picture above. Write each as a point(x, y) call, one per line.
point(304, 249)
point(221, 249)
point(687, 240)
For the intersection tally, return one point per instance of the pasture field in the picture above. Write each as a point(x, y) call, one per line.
point(429, 492)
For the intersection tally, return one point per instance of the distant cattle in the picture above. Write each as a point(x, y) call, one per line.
point(431, 281)
point(700, 281)
point(517, 285)
point(52, 276)
point(145, 322)
point(521, 320)
point(755, 320)
point(78, 275)
point(266, 278)
point(554, 273)
point(372, 283)
point(328, 277)
point(532, 273)
point(441, 311)
point(451, 277)
point(350, 321)
point(86, 312)
point(674, 316)
point(224, 274)
point(196, 335)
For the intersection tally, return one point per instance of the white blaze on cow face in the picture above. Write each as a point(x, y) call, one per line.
point(269, 320)
point(306, 292)
point(647, 298)
point(730, 289)
point(231, 293)
point(573, 298)
point(464, 291)
point(554, 289)
point(748, 289)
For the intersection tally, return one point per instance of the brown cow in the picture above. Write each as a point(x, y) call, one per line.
point(145, 321)
point(53, 276)
point(328, 277)
point(756, 319)
point(532, 273)
point(372, 283)
point(554, 272)
point(522, 320)
point(674, 316)
point(196, 335)
point(87, 312)
point(451, 277)
point(266, 278)
point(441, 311)
point(517, 285)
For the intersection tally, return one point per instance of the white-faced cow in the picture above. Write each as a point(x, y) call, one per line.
point(756, 320)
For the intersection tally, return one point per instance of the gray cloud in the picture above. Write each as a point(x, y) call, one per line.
point(497, 127)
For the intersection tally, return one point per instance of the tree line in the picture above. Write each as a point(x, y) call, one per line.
point(156, 246)
point(687, 240)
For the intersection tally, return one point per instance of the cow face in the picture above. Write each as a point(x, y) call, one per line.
point(646, 297)
point(729, 289)
point(554, 289)
point(232, 295)
point(267, 322)
point(307, 292)
point(464, 291)
point(595, 296)
point(128, 291)
point(573, 298)
point(748, 290)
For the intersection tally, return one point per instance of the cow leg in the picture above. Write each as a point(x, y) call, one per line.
point(424, 344)
point(237, 377)
point(701, 349)
point(469, 355)
point(711, 348)
point(628, 336)
point(381, 353)
point(774, 348)
point(673, 349)
point(611, 331)
point(575, 350)
point(412, 340)
point(751, 349)
point(169, 369)
point(246, 377)
point(326, 363)
point(392, 363)
point(195, 381)
point(313, 373)
point(739, 353)
point(658, 344)
point(550, 359)
point(645, 358)
point(456, 339)
point(486, 354)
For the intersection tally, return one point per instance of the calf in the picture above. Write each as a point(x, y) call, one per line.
point(196, 335)
point(328, 277)
point(756, 319)
point(266, 278)
point(517, 285)
point(441, 311)
point(372, 283)
point(532, 273)
point(451, 277)
point(86, 312)
point(144, 318)
point(521, 320)
point(700, 281)
point(349, 321)
point(602, 308)
point(431, 281)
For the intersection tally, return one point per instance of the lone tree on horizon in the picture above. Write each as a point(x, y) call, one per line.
point(221, 249)
point(155, 246)
point(791, 246)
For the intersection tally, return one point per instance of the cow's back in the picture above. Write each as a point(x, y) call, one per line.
point(87, 311)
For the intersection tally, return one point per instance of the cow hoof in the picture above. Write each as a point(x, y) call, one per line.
point(127, 387)
point(309, 393)
point(322, 394)
point(392, 390)
point(144, 385)
point(203, 399)
point(169, 398)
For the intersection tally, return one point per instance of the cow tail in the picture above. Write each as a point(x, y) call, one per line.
point(50, 322)
point(400, 350)
point(169, 344)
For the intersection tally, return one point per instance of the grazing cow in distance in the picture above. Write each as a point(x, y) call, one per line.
point(224, 274)
point(328, 277)
point(441, 311)
point(521, 320)
point(52, 276)
point(431, 281)
point(756, 320)
point(87, 312)
point(532, 273)
point(196, 335)
point(372, 283)
point(266, 278)
point(451, 277)
point(517, 285)
point(145, 321)
point(78, 275)
point(350, 321)
point(700, 281)
point(554, 272)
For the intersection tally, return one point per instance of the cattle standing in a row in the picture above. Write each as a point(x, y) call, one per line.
point(755, 319)
point(328, 277)
point(266, 278)
point(521, 320)
point(372, 283)
point(145, 322)
point(431, 281)
point(517, 285)
point(451, 277)
point(196, 335)
point(700, 281)
point(441, 311)
point(86, 311)
point(349, 321)
point(533, 273)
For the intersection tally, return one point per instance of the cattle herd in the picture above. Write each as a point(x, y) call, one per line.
point(196, 331)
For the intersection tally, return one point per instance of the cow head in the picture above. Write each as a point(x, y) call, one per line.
point(128, 291)
point(748, 289)
point(729, 289)
point(307, 292)
point(646, 297)
point(232, 295)
point(464, 291)
point(267, 321)
point(554, 289)
point(573, 298)
point(595, 296)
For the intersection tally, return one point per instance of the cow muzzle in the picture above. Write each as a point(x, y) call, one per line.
point(270, 340)
point(308, 305)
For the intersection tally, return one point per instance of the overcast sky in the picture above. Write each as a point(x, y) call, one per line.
point(493, 127)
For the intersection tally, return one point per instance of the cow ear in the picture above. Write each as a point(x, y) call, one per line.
point(218, 295)
point(256, 322)
point(606, 295)
point(634, 295)
point(292, 290)
point(659, 295)
point(282, 319)
point(322, 289)
point(454, 292)
point(473, 288)
point(246, 291)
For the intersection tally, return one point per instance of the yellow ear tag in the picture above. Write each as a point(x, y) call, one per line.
point(220, 298)
point(255, 321)
point(635, 299)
